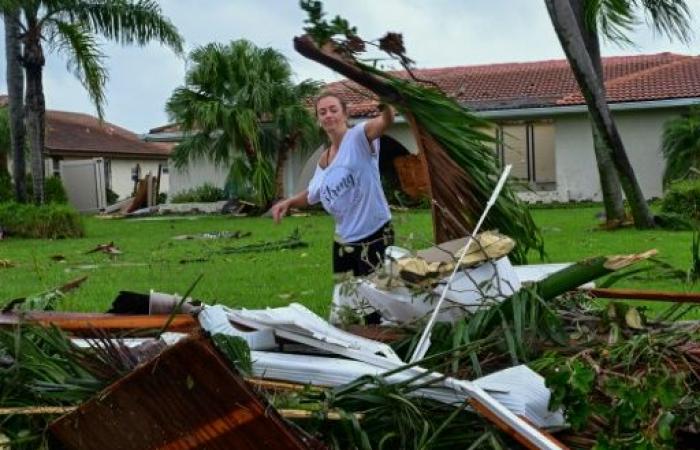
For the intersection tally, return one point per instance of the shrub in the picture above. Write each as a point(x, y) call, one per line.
point(46, 221)
point(201, 194)
point(54, 192)
point(683, 197)
point(7, 193)
point(112, 197)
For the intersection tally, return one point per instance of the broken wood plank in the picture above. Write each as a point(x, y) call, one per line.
point(86, 322)
point(189, 397)
point(641, 294)
point(286, 413)
point(36, 410)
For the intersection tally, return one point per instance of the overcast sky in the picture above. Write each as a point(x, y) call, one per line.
point(437, 33)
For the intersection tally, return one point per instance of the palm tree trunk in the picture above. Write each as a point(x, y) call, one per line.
point(609, 181)
point(566, 27)
point(36, 107)
point(282, 157)
point(15, 96)
point(288, 143)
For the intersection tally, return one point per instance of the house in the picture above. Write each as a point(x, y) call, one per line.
point(75, 136)
point(540, 118)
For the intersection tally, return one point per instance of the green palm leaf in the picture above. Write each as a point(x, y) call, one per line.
point(239, 107)
point(681, 147)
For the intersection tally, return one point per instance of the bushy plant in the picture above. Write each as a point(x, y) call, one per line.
point(46, 221)
point(112, 197)
point(683, 197)
point(201, 194)
point(6, 192)
point(54, 192)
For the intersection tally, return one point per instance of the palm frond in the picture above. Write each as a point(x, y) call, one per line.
point(463, 168)
point(680, 145)
point(125, 21)
point(613, 18)
point(616, 18)
point(669, 17)
point(85, 59)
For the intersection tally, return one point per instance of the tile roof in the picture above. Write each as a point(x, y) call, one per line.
point(77, 134)
point(82, 134)
point(548, 83)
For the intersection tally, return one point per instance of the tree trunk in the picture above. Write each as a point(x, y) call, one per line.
point(36, 107)
point(15, 96)
point(609, 181)
point(591, 86)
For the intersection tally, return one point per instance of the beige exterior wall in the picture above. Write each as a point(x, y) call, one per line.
point(196, 174)
point(120, 180)
point(121, 175)
point(641, 131)
point(564, 156)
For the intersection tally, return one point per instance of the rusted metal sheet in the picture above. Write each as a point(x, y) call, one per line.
point(187, 398)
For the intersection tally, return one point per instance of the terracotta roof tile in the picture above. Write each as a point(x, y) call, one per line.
point(547, 83)
point(75, 133)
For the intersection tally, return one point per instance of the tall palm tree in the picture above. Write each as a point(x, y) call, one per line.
point(614, 20)
point(681, 147)
point(239, 107)
point(71, 27)
point(574, 22)
point(609, 181)
point(15, 93)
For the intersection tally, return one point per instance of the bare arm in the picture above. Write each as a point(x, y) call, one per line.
point(300, 200)
point(375, 127)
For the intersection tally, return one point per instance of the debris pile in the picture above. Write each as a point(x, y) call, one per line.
point(535, 364)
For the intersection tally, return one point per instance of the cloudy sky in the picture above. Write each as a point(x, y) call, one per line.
point(437, 33)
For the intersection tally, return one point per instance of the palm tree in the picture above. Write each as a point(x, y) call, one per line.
point(239, 107)
point(669, 17)
point(681, 147)
point(577, 23)
point(609, 181)
point(15, 93)
point(72, 27)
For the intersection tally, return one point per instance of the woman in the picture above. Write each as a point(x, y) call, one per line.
point(347, 183)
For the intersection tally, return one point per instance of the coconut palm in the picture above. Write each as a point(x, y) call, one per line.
point(239, 107)
point(681, 147)
point(72, 27)
point(577, 23)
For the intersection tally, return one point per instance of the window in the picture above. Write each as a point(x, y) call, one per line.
point(529, 147)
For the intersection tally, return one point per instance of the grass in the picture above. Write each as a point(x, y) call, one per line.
point(151, 257)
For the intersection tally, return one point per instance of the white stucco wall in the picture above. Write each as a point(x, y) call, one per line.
point(196, 174)
point(121, 175)
point(641, 131)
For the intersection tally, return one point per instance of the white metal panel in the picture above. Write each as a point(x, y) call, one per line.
point(85, 184)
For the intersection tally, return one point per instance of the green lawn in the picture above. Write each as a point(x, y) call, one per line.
point(151, 257)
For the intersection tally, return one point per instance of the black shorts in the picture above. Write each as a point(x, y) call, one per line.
point(363, 257)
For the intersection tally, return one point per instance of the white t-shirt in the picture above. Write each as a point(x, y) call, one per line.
point(350, 188)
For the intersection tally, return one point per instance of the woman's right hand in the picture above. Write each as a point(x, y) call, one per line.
point(279, 210)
